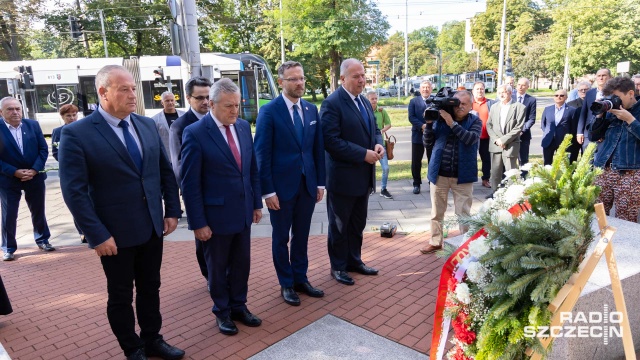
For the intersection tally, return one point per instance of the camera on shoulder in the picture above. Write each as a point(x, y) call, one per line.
point(605, 104)
point(443, 100)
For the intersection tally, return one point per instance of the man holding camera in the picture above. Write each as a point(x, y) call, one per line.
point(586, 118)
point(454, 142)
point(619, 154)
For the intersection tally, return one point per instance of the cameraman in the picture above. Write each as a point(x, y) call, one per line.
point(453, 165)
point(619, 153)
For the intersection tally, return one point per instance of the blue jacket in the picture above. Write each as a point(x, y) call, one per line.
point(34, 157)
point(467, 151)
point(621, 141)
point(530, 103)
point(552, 134)
point(417, 106)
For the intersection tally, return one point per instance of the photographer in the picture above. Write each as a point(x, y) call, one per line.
point(619, 153)
point(453, 165)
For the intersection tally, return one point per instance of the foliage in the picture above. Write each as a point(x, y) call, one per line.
point(422, 50)
point(455, 59)
point(14, 24)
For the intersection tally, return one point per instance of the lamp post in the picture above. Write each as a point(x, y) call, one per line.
point(501, 57)
point(281, 35)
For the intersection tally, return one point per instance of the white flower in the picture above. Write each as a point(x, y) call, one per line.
point(503, 216)
point(462, 293)
point(548, 167)
point(487, 205)
point(531, 180)
point(526, 167)
point(476, 272)
point(514, 194)
point(511, 173)
point(478, 247)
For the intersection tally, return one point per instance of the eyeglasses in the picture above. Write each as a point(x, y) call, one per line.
point(200, 98)
point(559, 95)
point(583, 90)
point(300, 79)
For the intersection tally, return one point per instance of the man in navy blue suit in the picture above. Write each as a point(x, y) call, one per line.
point(530, 119)
point(557, 121)
point(23, 153)
point(290, 155)
point(114, 177)
point(586, 117)
point(417, 106)
point(354, 144)
point(197, 90)
point(221, 192)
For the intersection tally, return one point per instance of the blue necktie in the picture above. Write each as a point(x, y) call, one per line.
point(297, 123)
point(364, 113)
point(132, 147)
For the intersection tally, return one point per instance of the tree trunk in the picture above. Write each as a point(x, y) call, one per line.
point(314, 97)
point(324, 90)
point(9, 35)
point(334, 68)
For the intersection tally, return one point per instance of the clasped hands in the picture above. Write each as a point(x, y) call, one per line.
point(374, 155)
point(25, 174)
point(109, 248)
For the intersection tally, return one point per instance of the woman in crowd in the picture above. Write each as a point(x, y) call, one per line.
point(384, 123)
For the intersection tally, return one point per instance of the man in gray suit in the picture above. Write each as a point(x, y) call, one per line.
point(166, 117)
point(505, 123)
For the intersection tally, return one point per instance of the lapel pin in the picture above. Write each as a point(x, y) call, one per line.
point(306, 108)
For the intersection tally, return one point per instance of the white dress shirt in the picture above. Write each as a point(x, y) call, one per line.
point(504, 111)
point(114, 121)
point(222, 129)
point(290, 108)
point(559, 113)
point(16, 132)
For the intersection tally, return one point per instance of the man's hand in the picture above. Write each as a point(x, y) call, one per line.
point(203, 234)
point(371, 157)
point(580, 138)
point(24, 174)
point(447, 118)
point(272, 202)
point(170, 224)
point(499, 143)
point(257, 215)
point(107, 248)
point(379, 149)
point(319, 195)
point(623, 115)
point(424, 126)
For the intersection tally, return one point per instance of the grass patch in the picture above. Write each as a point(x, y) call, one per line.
point(399, 117)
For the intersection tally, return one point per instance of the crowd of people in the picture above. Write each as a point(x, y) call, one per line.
point(124, 207)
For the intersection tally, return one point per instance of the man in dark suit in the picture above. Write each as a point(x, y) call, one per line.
point(197, 90)
point(581, 90)
point(586, 117)
point(114, 177)
point(23, 153)
point(290, 155)
point(221, 192)
point(530, 119)
point(417, 105)
point(557, 121)
point(353, 143)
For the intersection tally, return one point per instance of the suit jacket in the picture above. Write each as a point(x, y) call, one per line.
point(175, 140)
point(417, 106)
point(552, 134)
point(346, 140)
point(281, 158)
point(586, 117)
point(34, 155)
point(577, 103)
point(104, 190)
point(530, 103)
point(55, 140)
point(163, 128)
point(509, 136)
point(215, 191)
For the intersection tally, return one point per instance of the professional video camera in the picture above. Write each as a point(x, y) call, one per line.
point(443, 100)
point(607, 103)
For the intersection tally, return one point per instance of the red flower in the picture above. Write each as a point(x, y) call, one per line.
point(451, 285)
point(458, 354)
point(461, 330)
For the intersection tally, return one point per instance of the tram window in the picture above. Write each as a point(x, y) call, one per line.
point(152, 90)
point(4, 90)
point(46, 99)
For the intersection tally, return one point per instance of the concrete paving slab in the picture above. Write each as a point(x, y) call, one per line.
point(384, 214)
point(333, 338)
point(397, 205)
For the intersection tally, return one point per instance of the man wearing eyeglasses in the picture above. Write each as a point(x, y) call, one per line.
point(581, 89)
point(636, 82)
point(557, 121)
point(197, 90)
point(586, 117)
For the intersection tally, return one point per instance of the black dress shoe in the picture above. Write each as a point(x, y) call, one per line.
point(137, 355)
point(83, 240)
point(290, 296)
point(363, 269)
point(226, 326)
point(246, 318)
point(342, 277)
point(308, 289)
point(46, 247)
point(416, 189)
point(160, 348)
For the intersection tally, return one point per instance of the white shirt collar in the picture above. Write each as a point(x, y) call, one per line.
point(10, 127)
point(218, 123)
point(353, 97)
point(291, 103)
point(112, 120)
point(198, 115)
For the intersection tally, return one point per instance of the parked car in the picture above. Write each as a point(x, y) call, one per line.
point(383, 92)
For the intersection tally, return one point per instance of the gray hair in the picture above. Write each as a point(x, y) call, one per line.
point(608, 71)
point(506, 87)
point(587, 84)
point(287, 65)
point(525, 79)
point(222, 86)
point(463, 93)
point(6, 99)
point(167, 93)
point(478, 82)
point(371, 92)
point(636, 76)
point(103, 77)
point(426, 82)
point(346, 63)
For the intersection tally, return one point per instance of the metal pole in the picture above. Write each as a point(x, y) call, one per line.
point(104, 35)
point(406, 48)
point(440, 83)
point(281, 35)
point(194, 39)
point(565, 81)
point(501, 57)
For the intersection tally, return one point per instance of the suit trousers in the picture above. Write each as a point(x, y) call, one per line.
point(548, 152)
point(228, 260)
point(347, 219)
point(202, 263)
point(485, 157)
point(417, 153)
point(462, 200)
point(140, 265)
point(34, 192)
point(295, 215)
point(523, 157)
point(499, 164)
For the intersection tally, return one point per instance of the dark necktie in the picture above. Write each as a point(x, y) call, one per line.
point(132, 147)
point(297, 123)
point(521, 99)
point(365, 116)
point(233, 147)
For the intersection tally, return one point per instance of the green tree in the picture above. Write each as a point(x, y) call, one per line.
point(450, 41)
point(14, 24)
point(534, 64)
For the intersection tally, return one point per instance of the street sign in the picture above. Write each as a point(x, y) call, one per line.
point(373, 62)
point(623, 67)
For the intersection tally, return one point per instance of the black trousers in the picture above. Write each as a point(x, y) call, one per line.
point(139, 264)
point(417, 153)
point(524, 154)
point(485, 157)
point(202, 264)
point(347, 219)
